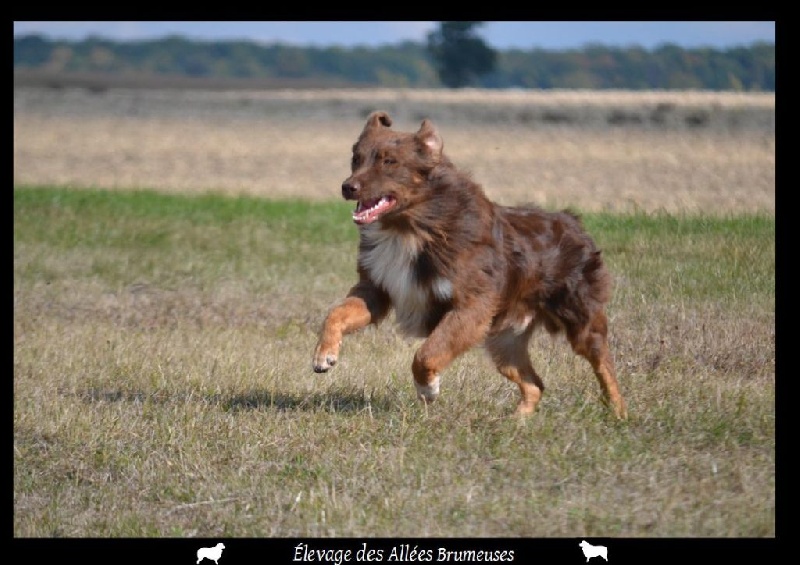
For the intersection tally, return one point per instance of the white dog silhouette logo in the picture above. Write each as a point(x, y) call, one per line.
point(210, 553)
point(590, 550)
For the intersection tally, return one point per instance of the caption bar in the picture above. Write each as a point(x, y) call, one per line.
point(403, 552)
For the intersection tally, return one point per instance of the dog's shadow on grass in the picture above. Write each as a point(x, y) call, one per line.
point(333, 402)
point(343, 401)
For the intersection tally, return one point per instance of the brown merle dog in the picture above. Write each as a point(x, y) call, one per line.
point(460, 270)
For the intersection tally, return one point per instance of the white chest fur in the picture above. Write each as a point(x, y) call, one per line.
point(390, 262)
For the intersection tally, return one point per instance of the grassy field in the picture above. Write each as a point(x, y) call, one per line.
point(163, 338)
point(163, 384)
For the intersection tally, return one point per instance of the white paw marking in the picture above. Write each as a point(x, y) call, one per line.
point(428, 392)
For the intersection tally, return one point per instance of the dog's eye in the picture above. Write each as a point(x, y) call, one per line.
point(389, 161)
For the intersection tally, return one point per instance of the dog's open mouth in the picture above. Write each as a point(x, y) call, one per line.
point(367, 211)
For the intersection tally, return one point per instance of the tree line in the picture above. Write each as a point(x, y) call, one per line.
point(410, 64)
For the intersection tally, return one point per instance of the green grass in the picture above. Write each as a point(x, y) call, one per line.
point(654, 246)
point(162, 385)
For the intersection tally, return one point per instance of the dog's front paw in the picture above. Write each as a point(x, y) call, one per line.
point(428, 393)
point(321, 365)
point(324, 360)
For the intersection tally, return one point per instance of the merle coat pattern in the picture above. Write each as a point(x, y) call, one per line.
point(460, 270)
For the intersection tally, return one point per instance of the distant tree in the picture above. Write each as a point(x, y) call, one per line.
point(291, 62)
point(31, 51)
point(459, 55)
point(453, 56)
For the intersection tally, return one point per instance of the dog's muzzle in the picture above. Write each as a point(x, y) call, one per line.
point(351, 189)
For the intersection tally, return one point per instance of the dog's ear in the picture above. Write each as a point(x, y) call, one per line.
point(430, 139)
point(378, 119)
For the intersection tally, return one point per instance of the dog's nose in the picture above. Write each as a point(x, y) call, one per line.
point(350, 189)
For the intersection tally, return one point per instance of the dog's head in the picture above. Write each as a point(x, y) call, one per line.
point(390, 169)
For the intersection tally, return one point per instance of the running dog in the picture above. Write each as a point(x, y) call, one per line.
point(460, 270)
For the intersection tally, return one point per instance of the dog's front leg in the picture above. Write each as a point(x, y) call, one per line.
point(458, 331)
point(364, 304)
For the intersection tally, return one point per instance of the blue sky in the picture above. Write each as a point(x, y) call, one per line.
point(500, 35)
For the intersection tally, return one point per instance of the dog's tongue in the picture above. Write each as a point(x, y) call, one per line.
point(366, 205)
point(368, 211)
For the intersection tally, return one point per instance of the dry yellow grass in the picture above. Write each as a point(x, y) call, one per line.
point(297, 143)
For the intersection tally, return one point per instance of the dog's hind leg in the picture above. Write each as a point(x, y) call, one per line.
point(509, 351)
point(591, 343)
